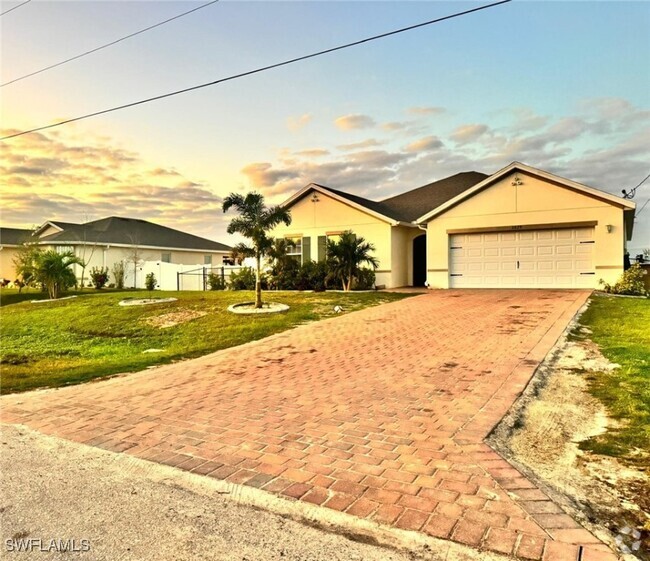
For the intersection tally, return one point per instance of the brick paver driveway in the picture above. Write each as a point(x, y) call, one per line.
point(380, 413)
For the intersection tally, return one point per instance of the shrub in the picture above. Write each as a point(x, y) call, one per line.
point(119, 272)
point(244, 279)
point(364, 280)
point(630, 283)
point(99, 277)
point(312, 275)
point(216, 282)
point(150, 281)
point(283, 276)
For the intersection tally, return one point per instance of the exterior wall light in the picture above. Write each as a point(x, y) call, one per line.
point(609, 228)
point(517, 181)
point(314, 198)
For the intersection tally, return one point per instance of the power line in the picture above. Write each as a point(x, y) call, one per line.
point(630, 194)
point(641, 209)
point(258, 70)
point(107, 44)
point(15, 7)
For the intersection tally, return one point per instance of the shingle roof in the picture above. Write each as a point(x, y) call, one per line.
point(131, 231)
point(409, 206)
point(367, 203)
point(14, 236)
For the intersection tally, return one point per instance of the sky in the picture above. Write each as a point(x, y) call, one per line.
point(563, 86)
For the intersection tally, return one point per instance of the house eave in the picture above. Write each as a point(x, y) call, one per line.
point(130, 246)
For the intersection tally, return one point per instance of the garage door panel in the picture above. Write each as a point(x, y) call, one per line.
point(560, 258)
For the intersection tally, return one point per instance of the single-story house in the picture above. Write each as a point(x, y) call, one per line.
point(102, 243)
point(520, 227)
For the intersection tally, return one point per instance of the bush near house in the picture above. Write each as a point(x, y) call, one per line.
point(99, 277)
point(631, 283)
point(343, 265)
point(216, 282)
point(150, 282)
point(245, 279)
point(119, 273)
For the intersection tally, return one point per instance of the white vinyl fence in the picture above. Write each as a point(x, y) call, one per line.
point(172, 276)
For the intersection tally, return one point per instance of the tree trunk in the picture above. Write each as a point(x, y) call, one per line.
point(258, 283)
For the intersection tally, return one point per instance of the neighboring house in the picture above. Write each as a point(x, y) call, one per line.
point(102, 243)
point(520, 227)
point(10, 241)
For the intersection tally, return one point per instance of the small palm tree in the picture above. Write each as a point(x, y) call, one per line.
point(53, 271)
point(345, 256)
point(254, 222)
point(278, 254)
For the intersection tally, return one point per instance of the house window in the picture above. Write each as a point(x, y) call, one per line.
point(166, 257)
point(207, 259)
point(228, 260)
point(295, 251)
point(64, 248)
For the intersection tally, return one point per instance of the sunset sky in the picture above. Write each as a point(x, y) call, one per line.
point(564, 86)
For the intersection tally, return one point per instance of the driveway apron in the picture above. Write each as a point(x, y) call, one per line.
point(380, 413)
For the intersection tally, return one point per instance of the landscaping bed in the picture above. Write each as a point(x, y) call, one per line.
point(73, 341)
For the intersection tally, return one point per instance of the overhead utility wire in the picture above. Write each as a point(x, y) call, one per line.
point(107, 44)
point(15, 7)
point(258, 70)
point(641, 209)
point(630, 194)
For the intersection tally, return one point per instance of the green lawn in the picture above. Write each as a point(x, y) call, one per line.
point(72, 341)
point(621, 328)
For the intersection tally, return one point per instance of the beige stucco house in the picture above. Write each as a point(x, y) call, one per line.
point(520, 227)
point(102, 243)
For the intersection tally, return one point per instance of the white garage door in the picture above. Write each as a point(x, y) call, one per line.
point(561, 258)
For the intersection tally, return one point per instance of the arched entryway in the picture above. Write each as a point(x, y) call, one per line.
point(420, 260)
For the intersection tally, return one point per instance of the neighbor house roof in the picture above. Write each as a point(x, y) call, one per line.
point(14, 236)
point(130, 231)
point(406, 207)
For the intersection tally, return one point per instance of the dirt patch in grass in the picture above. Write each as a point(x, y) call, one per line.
point(171, 319)
point(541, 436)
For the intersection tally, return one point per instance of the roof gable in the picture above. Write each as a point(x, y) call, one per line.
point(365, 205)
point(517, 166)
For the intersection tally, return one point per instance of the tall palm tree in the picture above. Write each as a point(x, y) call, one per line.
point(345, 256)
point(254, 222)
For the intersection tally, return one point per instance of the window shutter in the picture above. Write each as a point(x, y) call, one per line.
point(306, 249)
point(322, 248)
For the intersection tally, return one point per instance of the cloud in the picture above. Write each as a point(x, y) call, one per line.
point(425, 144)
point(261, 174)
point(297, 123)
point(468, 133)
point(426, 111)
point(312, 153)
point(354, 122)
point(48, 177)
point(368, 143)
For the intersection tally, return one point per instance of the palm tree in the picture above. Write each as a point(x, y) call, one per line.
point(255, 220)
point(52, 270)
point(345, 256)
point(278, 253)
